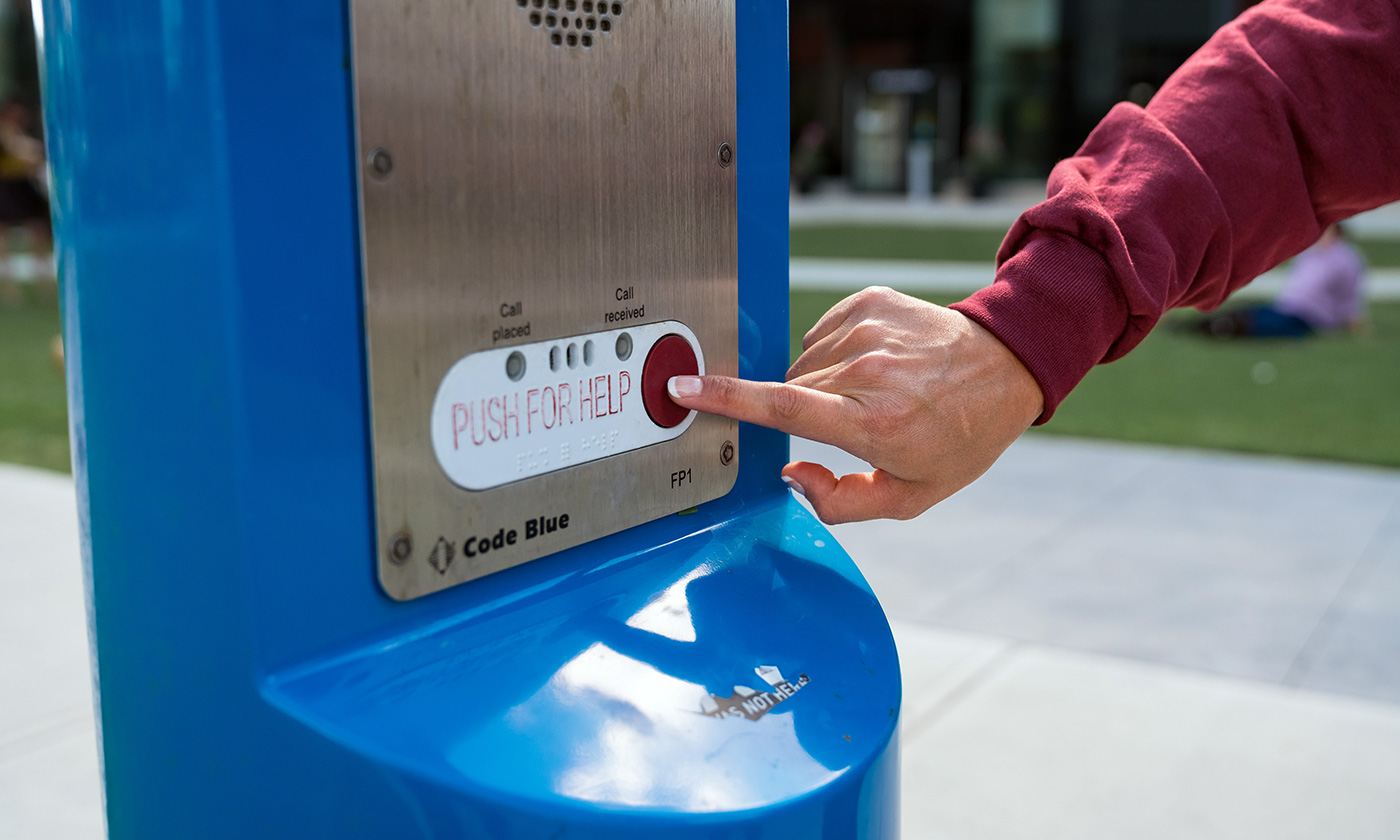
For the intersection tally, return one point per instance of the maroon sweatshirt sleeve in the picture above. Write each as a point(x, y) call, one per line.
point(1286, 121)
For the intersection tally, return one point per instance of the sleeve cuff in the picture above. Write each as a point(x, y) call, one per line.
point(1055, 305)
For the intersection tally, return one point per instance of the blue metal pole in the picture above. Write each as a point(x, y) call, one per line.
point(254, 681)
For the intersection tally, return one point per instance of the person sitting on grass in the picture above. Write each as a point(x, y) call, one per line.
point(1323, 293)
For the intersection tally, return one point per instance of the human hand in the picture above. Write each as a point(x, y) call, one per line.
point(925, 395)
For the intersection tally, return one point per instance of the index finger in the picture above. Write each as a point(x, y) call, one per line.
point(805, 412)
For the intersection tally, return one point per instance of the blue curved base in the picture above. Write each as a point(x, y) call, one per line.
point(579, 709)
point(254, 680)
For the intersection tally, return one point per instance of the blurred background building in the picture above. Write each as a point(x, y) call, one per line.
point(922, 96)
point(928, 96)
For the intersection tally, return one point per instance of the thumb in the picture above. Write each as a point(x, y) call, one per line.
point(851, 498)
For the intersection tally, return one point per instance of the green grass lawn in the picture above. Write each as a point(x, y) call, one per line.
point(1335, 397)
point(33, 407)
point(1332, 397)
point(896, 243)
point(893, 242)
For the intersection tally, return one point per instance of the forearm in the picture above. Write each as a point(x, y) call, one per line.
point(1286, 121)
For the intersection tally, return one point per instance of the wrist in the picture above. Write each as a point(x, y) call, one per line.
point(1053, 307)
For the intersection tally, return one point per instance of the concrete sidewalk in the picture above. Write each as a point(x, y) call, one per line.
point(49, 786)
point(1098, 641)
point(914, 276)
point(997, 212)
point(1281, 572)
point(1110, 641)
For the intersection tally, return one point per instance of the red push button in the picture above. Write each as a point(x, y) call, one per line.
point(671, 356)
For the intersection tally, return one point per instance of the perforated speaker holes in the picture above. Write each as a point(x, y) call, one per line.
point(573, 23)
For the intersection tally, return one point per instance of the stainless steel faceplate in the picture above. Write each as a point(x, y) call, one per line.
point(535, 172)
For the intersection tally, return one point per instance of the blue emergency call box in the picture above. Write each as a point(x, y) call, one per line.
point(391, 528)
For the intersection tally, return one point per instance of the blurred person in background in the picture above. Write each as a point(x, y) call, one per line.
point(1323, 293)
point(986, 152)
point(23, 188)
point(809, 158)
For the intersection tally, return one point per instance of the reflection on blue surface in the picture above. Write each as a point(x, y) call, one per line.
point(668, 614)
point(595, 692)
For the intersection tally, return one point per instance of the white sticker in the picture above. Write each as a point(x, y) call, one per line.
point(513, 413)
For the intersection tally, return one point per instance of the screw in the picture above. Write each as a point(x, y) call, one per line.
point(726, 453)
point(726, 155)
point(381, 163)
point(400, 549)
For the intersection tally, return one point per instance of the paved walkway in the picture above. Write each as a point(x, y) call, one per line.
point(48, 745)
point(1109, 641)
point(1098, 641)
point(997, 212)
point(913, 276)
point(846, 208)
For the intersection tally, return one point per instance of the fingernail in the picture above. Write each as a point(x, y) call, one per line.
point(797, 488)
point(684, 386)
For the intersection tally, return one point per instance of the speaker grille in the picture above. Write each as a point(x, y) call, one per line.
point(573, 24)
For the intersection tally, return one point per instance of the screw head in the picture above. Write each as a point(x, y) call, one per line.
point(400, 549)
point(726, 154)
point(726, 453)
point(380, 163)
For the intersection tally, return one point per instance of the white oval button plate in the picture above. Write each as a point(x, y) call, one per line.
point(513, 413)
